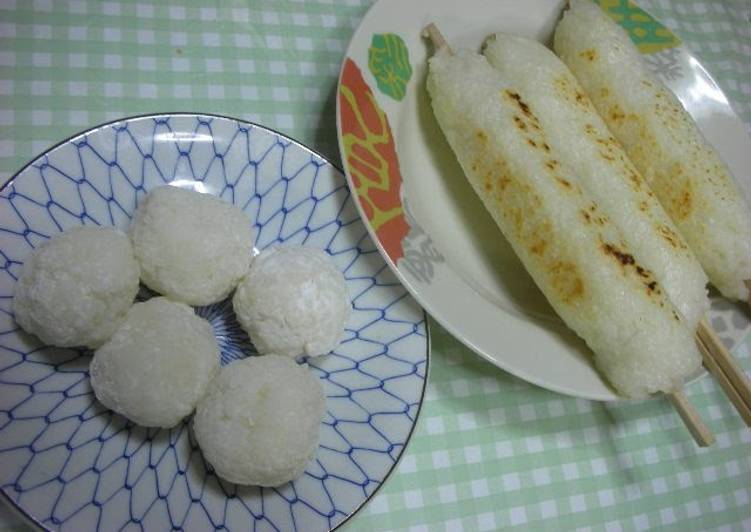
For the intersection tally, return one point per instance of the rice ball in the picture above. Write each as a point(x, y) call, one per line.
point(258, 422)
point(75, 289)
point(192, 247)
point(293, 301)
point(157, 365)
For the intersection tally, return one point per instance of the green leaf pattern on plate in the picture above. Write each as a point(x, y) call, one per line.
point(388, 61)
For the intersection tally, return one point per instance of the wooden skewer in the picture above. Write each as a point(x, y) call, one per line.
point(436, 37)
point(725, 361)
point(701, 434)
point(743, 409)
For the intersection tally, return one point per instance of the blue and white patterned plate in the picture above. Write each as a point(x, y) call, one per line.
point(68, 463)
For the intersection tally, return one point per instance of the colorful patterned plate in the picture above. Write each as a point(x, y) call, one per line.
point(426, 219)
point(68, 463)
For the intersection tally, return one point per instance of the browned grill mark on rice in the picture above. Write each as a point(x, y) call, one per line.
point(496, 176)
point(529, 124)
point(681, 203)
point(599, 219)
point(538, 248)
point(521, 103)
point(626, 259)
point(671, 237)
point(616, 113)
point(590, 54)
point(567, 281)
point(637, 181)
point(569, 89)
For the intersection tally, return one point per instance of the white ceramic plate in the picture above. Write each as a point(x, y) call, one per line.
point(427, 220)
point(68, 463)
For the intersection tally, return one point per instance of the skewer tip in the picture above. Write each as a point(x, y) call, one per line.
point(432, 32)
point(702, 435)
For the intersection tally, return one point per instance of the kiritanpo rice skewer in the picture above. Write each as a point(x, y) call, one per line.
point(584, 267)
point(605, 171)
point(511, 175)
point(603, 168)
point(683, 169)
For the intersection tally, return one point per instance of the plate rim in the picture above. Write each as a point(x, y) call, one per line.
point(19, 510)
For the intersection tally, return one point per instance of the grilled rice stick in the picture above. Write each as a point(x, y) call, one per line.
point(603, 168)
point(574, 252)
point(682, 168)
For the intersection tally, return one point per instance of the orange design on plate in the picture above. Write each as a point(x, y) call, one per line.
point(370, 156)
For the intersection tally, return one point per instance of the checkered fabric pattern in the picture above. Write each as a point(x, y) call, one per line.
point(719, 34)
point(489, 451)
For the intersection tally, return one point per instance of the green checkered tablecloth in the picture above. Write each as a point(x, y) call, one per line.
point(490, 451)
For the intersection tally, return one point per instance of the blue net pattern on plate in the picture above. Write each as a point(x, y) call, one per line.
point(69, 463)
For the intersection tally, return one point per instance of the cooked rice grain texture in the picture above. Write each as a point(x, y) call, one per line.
point(685, 172)
point(293, 301)
point(192, 247)
point(75, 289)
point(581, 141)
point(572, 250)
point(258, 422)
point(157, 364)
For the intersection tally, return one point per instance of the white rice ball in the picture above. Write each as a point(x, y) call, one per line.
point(293, 301)
point(75, 289)
point(157, 365)
point(258, 422)
point(192, 247)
